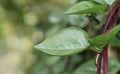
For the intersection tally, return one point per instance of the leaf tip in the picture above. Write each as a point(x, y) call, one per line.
point(66, 13)
point(36, 46)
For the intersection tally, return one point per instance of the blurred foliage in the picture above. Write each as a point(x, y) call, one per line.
point(24, 23)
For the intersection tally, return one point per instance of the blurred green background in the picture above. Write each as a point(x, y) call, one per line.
point(25, 23)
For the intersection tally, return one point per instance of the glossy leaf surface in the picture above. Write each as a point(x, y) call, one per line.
point(66, 42)
point(110, 2)
point(100, 1)
point(85, 7)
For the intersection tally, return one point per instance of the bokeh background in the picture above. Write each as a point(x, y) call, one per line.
point(25, 23)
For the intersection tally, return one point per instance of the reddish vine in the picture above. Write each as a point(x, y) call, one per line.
point(107, 26)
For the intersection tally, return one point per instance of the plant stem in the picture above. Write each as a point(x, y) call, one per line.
point(112, 14)
point(112, 17)
point(107, 26)
point(105, 60)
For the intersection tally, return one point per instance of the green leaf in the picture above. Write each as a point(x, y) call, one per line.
point(100, 1)
point(85, 7)
point(66, 42)
point(100, 41)
point(110, 2)
point(90, 68)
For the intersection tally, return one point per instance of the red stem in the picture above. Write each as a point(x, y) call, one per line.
point(113, 19)
point(112, 13)
point(105, 60)
point(108, 24)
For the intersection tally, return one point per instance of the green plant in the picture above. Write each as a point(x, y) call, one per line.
point(73, 40)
